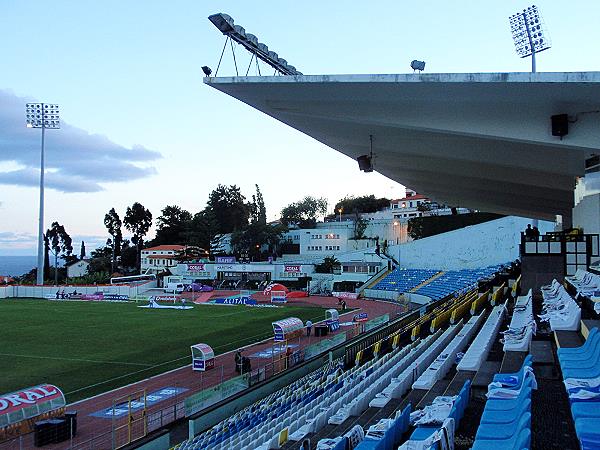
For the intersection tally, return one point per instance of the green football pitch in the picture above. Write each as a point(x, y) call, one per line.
point(86, 348)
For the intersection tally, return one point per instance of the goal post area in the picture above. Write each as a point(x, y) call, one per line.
point(278, 297)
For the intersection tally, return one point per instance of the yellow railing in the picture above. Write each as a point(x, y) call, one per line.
point(441, 319)
point(516, 286)
point(376, 348)
point(416, 331)
point(461, 310)
point(479, 303)
point(498, 295)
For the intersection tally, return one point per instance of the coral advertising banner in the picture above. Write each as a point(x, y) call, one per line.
point(30, 402)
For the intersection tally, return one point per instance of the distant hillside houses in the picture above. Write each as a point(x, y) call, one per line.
point(78, 268)
point(160, 258)
point(339, 234)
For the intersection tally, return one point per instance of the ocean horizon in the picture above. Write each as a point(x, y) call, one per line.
point(15, 266)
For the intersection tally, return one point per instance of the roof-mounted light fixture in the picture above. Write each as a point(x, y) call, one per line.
point(226, 25)
point(417, 65)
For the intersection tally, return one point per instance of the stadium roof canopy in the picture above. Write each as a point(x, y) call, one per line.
point(478, 140)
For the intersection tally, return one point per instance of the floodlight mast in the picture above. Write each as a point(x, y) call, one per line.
point(225, 24)
point(42, 115)
point(528, 34)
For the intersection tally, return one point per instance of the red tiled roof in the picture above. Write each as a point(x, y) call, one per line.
point(414, 197)
point(165, 247)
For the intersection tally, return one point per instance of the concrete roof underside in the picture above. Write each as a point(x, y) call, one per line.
point(481, 141)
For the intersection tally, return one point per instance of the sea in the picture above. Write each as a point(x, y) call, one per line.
point(17, 265)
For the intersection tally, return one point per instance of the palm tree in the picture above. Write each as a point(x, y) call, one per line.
point(329, 264)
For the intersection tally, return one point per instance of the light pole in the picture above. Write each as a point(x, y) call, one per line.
point(529, 34)
point(340, 212)
point(42, 115)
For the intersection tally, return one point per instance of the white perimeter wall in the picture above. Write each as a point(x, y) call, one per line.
point(587, 214)
point(50, 291)
point(485, 244)
point(6, 291)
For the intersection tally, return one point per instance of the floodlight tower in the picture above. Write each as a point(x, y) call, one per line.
point(529, 34)
point(42, 115)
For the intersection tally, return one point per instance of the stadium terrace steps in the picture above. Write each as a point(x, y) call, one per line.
point(479, 349)
point(433, 283)
point(429, 280)
point(542, 352)
point(450, 385)
point(506, 422)
point(358, 388)
point(567, 339)
point(587, 325)
point(517, 338)
point(344, 419)
point(372, 284)
point(403, 280)
point(486, 372)
point(246, 424)
point(494, 432)
point(438, 369)
point(436, 390)
point(512, 361)
point(560, 310)
point(331, 402)
point(455, 281)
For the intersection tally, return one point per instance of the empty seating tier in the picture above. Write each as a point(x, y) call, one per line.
point(403, 280)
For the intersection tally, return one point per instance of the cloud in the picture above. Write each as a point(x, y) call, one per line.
point(55, 180)
point(12, 242)
point(78, 161)
point(15, 240)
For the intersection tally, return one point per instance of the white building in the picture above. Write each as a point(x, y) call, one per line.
point(412, 205)
point(336, 238)
point(158, 259)
point(357, 267)
point(78, 269)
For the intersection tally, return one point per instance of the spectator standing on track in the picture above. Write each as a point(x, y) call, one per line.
point(238, 361)
point(246, 367)
point(308, 327)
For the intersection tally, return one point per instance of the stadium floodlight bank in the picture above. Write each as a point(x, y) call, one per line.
point(225, 25)
point(529, 34)
point(42, 115)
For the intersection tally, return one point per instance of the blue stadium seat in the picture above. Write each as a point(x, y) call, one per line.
point(518, 441)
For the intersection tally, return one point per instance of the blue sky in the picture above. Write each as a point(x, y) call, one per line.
point(139, 125)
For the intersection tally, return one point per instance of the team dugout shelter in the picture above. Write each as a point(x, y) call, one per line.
point(287, 329)
point(17, 408)
point(203, 357)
